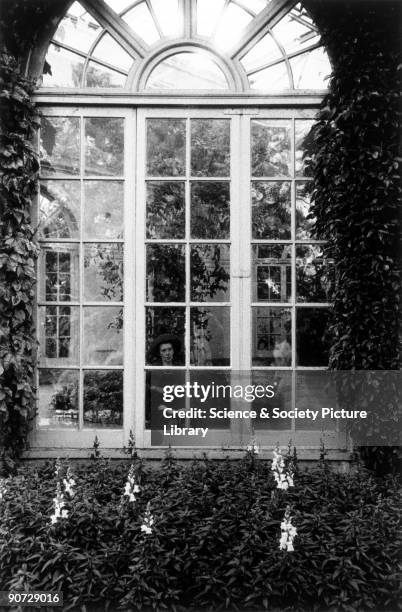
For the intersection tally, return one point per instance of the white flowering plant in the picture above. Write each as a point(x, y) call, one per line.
point(288, 532)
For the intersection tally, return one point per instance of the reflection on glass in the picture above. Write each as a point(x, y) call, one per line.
point(273, 78)
point(78, 29)
point(264, 52)
point(220, 379)
point(210, 272)
point(271, 209)
point(60, 146)
point(314, 274)
point(166, 277)
point(210, 336)
point(187, 70)
point(302, 145)
point(281, 382)
point(272, 272)
point(311, 69)
point(295, 33)
point(304, 225)
point(164, 325)
point(58, 399)
point(109, 51)
point(226, 36)
point(210, 209)
point(101, 76)
point(103, 398)
point(59, 209)
point(103, 272)
point(166, 147)
point(210, 147)
point(314, 391)
point(272, 340)
point(67, 68)
point(103, 339)
point(312, 337)
point(103, 211)
point(165, 210)
point(156, 380)
point(141, 22)
point(270, 147)
point(208, 13)
point(60, 271)
point(104, 146)
point(59, 335)
point(169, 16)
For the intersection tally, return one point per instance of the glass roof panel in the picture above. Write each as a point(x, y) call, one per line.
point(100, 76)
point(66, 68)
point(109, 51)
point(169, 16)
point(295, 33)
point(256, 6)
point(310, 69)
point(141, 22)
point(226, 36)
point(208, 12)
point(270, 79)
point(264, 52)
point(187, 71)
point(78, 29)
point(118, 5)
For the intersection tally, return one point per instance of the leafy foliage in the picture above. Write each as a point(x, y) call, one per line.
point(18, 251)
point(214, 542)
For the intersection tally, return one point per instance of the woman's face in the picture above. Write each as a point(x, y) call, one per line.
point(166, 353)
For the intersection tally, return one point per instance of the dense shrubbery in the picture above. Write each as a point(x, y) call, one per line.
point(215, 538)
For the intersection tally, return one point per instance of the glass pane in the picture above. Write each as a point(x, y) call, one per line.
point(314, 274)
point(103, 337)
point(264, 52)
point(302, 145)
point(103, 399)
point(311, 69)
point(210, 147)
point(165, 336)
point(281, 381)
point(255, 5)
point(304, 226)
point(166, 276)
point(59, 209)
point(272, 336)
point(141, 22)
point(210, 210)
point(210, 273)
point(165, 210)
point(103, 211)
point(100, 76)
point(166, 147)
point(219, 379)
point(58, 399)
point(60, 146)
point(103, 272)
point(272, 277)
point(312, 337)
point(210, 336)
point(59, 335)
point(109, 51)
point(78, 29)
point(314, 391)
point(295, 33)
point(274, 78)
point(187, 70)
point(67, 68)
point(104, 146)
point(208, 12)
point(59, 266)
point(155, 403)
point(169, 16)
point(118, 5)
point(227, 35)
point(271, 209)
point(270, 147)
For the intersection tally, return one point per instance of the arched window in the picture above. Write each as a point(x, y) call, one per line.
point(174, 216)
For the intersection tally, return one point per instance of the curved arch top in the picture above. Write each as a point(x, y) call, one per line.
point(147, 45)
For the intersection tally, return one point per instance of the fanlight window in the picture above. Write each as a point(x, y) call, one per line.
point(114, 44)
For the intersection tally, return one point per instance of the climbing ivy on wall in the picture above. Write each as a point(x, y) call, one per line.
point(356, 193)
point(18, 251)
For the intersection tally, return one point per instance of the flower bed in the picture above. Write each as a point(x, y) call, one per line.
point(209, 535)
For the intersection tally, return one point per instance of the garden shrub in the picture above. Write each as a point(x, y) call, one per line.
point(215, 539)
